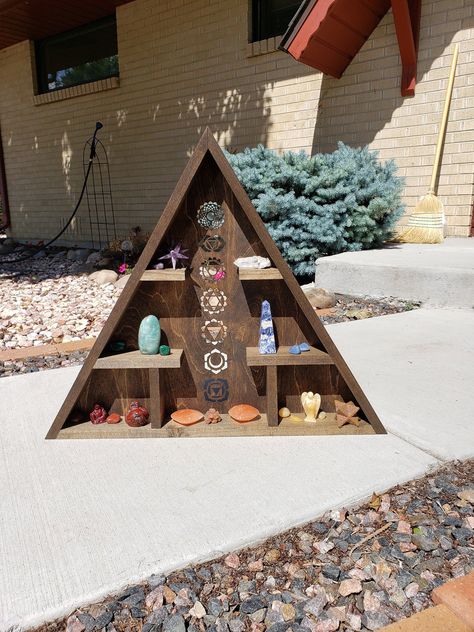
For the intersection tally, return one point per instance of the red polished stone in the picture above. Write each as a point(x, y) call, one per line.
point(187, 416)
point(113, 418)
point(243, 413)
point(137, 415)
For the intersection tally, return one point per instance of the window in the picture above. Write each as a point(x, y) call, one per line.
point(85, 54)
point(271, 17)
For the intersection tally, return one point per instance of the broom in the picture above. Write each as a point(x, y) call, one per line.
point(426, 224)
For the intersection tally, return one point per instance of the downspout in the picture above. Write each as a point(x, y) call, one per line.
point(3, 190)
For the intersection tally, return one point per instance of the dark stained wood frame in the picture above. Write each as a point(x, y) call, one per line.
point(208, 145)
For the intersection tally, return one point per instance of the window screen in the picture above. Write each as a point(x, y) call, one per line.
point(271, 17)
point(85, 54)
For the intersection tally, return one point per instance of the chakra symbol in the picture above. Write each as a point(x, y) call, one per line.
point(215, 361)
point(212, 269)
point(212, 243)
point(213, 301)
point(214, 331)
point(216, 390)
point(210, 215)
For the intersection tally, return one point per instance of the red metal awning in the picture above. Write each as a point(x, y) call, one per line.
point(35, 19)
point(328, 34)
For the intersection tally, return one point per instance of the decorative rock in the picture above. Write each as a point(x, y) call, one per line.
point(252, 604)
point(349, 587)
point(244, 413)
point(345, 413)
point(74, 625)
point(212, 416)
point(266, 343)
point(187, 416)
point(294, 350)
point(102, 277)
point(232, 561)
point(137, 415)
point(423, 542)
point(319, 297)
point(284, 412)
point(322, 415)
point(164, 350)
point(253, 262)
point(272, 556)
point(98, 415)
point(197, 610)
point(467, 494)
point(94, 258)
point(149, 335)
point(113, 418)
point(175, 623)
point(304, 346)
point(316, 605)
point(122, 281)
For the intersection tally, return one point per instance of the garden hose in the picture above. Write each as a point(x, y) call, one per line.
point(98, 126)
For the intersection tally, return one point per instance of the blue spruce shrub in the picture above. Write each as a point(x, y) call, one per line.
point(323, 204)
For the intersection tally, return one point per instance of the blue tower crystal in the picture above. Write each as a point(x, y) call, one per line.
point(266, 344)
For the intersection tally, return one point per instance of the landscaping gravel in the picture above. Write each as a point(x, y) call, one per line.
point(52, 299)
point(354, 570)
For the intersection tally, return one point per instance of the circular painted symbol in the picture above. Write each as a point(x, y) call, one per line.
point(213, 301)
point(216, 390)
point(212, 269)
point(215, 361)
point(210, 215)
point(214, 331)
point(212, 243)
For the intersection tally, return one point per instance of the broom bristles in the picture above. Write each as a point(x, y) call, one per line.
point(426, 224)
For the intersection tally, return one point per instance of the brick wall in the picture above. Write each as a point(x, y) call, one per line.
point(185, 64)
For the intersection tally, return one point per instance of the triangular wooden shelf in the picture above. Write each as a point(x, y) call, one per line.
point(182, 380)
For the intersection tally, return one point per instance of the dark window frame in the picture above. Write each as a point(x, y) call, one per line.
point(261, 26)
point(41, 46)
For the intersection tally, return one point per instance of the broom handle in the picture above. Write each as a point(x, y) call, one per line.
point(444, 120)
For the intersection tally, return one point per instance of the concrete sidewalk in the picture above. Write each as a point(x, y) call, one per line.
point(80, 519)
point(418, 370)
point(438, 275)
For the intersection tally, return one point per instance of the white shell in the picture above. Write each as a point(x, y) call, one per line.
point(253, 262)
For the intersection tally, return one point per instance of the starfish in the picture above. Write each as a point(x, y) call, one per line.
point(345, 414)
point(175, 254)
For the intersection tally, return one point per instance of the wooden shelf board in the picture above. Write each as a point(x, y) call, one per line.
point(164, 275)
point(255, 274)
point(284, 358)
point(226, 428)
point(138, 360)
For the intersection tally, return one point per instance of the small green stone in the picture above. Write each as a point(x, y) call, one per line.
point(164, 350)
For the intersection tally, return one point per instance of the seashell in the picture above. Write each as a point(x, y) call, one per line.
point(322, 415)
point(243, 413)
point(187, 416)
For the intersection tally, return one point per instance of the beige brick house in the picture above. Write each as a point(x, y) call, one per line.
point(187, 64)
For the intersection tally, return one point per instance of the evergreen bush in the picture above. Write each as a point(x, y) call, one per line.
point(323, 204)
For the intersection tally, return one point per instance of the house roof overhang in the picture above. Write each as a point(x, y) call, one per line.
point(35, 19)
point(328, 34)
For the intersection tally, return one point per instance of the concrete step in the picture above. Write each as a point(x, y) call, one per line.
point(437, 619)
point(438, 275)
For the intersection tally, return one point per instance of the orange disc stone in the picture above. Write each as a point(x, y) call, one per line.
point(187, 416)
point(243, 413)
point(113, 418)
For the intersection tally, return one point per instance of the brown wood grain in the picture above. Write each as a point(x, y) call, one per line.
point(180, 308)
